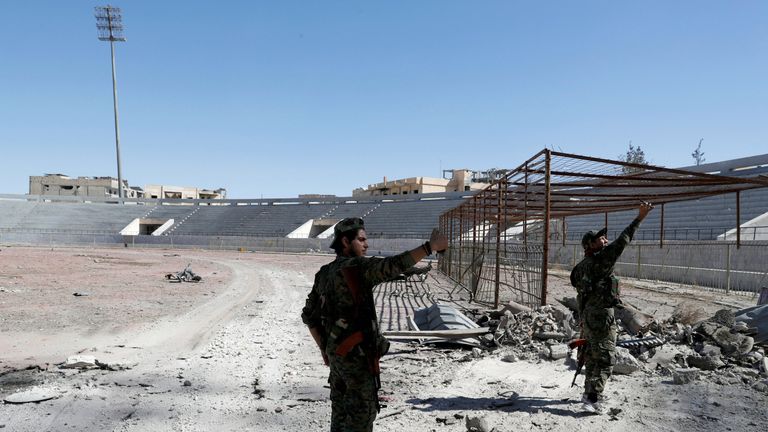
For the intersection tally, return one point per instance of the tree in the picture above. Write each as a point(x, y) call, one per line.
point(698, 155)
point(634, 155)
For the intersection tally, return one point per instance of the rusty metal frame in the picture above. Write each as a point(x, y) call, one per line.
point(506, 226)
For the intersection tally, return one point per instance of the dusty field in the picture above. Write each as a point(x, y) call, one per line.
point(231, 354)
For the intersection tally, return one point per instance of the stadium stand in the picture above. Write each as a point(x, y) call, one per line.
point(393, 216)
point(67, 217)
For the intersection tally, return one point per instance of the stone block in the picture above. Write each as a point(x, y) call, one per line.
point(705, 362)
point(558, 352)
point(684, 375)
point(625, 362)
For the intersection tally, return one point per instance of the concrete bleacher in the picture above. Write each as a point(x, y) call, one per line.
point(388, 216)
point(73, 217)
point(250, 220)
point(409, 219)
point(14, 211)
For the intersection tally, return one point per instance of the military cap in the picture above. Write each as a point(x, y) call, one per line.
point(344, 226)
point(590, 236)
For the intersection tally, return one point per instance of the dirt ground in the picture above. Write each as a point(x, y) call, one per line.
point(230, 354)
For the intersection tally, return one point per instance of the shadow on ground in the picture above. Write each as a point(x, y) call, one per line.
point(561, 407)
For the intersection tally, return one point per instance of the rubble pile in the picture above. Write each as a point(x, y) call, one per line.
point(719, 349)
point(529, 333)
point(719, 344)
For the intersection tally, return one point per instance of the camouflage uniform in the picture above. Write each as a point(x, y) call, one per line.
point(332, 306)
point(597, 289)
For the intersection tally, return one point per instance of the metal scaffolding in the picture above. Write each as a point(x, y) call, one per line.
point(500, 238)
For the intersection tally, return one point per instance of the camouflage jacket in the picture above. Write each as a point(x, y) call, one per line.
point(331, 306)
point(593, 277)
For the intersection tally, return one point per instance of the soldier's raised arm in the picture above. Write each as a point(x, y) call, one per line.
point(383, 269)
point(614, 250)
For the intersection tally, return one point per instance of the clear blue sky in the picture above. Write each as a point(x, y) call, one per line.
point(278, 98)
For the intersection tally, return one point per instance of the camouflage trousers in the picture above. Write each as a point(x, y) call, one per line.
point(354, 400)
point(600, 333)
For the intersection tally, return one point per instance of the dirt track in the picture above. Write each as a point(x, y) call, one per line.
point(237, 340)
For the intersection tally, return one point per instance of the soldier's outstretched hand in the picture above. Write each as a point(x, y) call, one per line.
point(645, 208)
point(438, 241)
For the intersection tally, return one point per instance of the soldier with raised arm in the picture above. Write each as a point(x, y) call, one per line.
point(341, 317)
point(598, 294)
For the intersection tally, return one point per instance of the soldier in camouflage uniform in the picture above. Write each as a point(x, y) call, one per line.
point(598, 295)
point(342, 320)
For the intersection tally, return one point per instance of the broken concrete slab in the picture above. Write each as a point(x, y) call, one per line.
point(625, 363)
point(731, 343)
point(31, 396)
point(558, 352)
point(515, 308)
point(684, 375)
point(724, 317)
point(705, 362)
point(510, 358)
point(79, 362)
point(632, 319)
point(711, 350)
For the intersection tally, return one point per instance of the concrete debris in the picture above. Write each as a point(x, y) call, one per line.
point(79, 362)
point(724, 317)
point(761, 386)
point(625, 363)
point(730, 343)
point(672, 348)
point(29, 396)
point(684, 375)
point(633, 320)
point(754, 357)
point(530, 326)
point(515, 308)
point(706, 362)
point(558, 352)
point(741, 327)
point(510, 358)
point(710, 351)
point(478, 424)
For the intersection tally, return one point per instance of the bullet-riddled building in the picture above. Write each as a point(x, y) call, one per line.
point(457, 180)
point(107, 187)
point(183, 192)
point(97, 187)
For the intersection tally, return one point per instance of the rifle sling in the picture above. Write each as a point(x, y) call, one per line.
point(350, 342)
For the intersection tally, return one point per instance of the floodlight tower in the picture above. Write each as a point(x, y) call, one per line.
point(109, 23)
